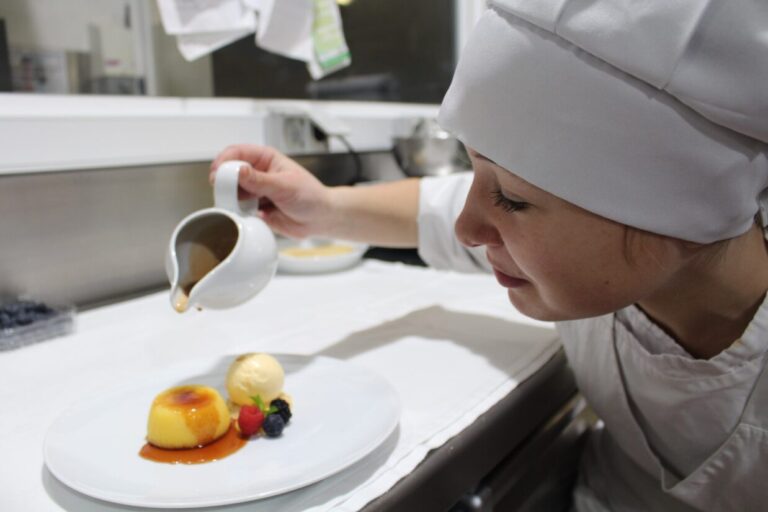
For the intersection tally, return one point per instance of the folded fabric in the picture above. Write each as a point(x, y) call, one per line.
point(306, 30)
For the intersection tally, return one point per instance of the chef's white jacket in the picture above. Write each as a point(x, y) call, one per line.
point(680, 433)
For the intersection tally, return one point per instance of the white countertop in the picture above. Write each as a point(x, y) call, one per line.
point(449, 343)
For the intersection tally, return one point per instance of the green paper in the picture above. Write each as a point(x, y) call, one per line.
point(328, 37)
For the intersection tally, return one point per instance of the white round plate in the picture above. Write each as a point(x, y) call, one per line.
point(341, 413)
point(289, 264)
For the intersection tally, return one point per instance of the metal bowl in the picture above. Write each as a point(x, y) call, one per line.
point(429, 151)
point(428, 156)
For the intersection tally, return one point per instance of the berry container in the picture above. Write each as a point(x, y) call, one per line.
point(24, 322)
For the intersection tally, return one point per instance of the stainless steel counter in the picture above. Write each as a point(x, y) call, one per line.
point(526, 444)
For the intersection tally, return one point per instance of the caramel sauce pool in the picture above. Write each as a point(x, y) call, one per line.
point(226, 445)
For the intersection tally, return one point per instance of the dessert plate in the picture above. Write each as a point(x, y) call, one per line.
point(341, 413)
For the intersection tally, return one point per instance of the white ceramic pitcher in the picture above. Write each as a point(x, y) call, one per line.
point(220, 257)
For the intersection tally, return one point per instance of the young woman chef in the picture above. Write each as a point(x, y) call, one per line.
point(620, 154)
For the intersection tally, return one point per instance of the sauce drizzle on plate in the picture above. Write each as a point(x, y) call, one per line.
point(226, 445)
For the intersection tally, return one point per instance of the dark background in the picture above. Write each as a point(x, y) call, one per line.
point(5, 66)
point(402, 50)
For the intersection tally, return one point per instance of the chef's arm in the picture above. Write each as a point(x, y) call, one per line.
point(384, 214)
point(409, 213)
point(296, 204)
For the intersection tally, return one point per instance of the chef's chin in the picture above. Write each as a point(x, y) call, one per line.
point(532, 307)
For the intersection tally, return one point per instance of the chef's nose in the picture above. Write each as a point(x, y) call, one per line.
point(474, 227)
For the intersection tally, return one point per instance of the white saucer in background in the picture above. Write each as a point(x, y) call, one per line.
point(318, 262)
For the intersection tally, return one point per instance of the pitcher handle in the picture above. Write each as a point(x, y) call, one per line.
point(225, 186)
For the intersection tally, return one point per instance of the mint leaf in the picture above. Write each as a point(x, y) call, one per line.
point(267, 410)
point(260, 404)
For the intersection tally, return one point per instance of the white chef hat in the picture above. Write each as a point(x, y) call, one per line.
point(653, 114)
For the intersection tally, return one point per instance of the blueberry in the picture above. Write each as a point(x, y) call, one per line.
point(273, 425)
point(283, 409)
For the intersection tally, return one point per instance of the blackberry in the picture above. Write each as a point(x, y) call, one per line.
point(12, 309)
point(273, 425)
point(6, 321)
point(23, 312)
point(283, 409)
point(24, 318)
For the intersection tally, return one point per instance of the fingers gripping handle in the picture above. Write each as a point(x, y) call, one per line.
point(225, 185)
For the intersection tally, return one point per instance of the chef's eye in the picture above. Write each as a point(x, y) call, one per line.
point(505, 203)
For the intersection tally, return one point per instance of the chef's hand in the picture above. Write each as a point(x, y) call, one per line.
point(291, 200)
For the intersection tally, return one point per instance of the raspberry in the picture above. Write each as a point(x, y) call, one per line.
point(283, 409)
point(273, 425)
point(250, 420)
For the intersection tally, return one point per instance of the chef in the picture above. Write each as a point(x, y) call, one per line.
point(620, 155)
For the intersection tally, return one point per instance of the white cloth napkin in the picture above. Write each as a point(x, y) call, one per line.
point(306, 30)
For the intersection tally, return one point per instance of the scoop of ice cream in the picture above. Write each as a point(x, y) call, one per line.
point(254, 374)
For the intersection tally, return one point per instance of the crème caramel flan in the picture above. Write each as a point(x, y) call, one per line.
point(187, 417)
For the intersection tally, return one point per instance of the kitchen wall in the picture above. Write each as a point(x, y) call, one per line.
point(91, 187)
point(402, 51)
point(104, 47)
point(119, 47)
point(87, 236)
point(91, 236)
point(32, 23)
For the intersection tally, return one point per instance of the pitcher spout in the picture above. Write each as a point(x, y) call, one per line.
point(179, 299)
